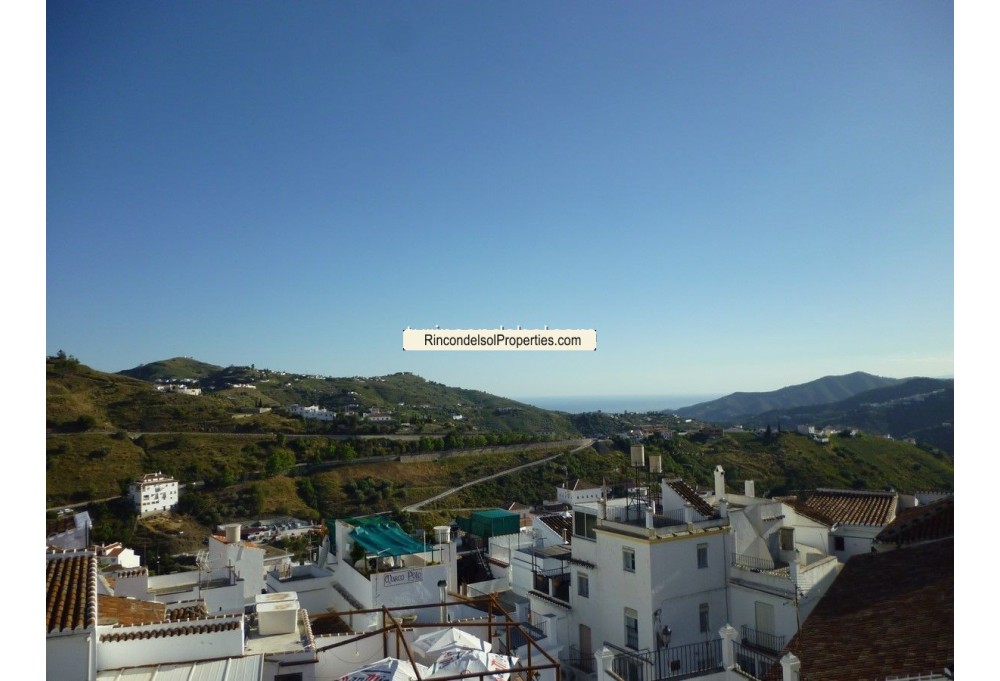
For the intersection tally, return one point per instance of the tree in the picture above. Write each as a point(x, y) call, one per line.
point(279, 461)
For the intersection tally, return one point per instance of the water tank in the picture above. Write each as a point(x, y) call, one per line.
point(442, 534)
point(233, 533)
point(277, 618)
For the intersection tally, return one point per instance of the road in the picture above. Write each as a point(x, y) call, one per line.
point(417, 506)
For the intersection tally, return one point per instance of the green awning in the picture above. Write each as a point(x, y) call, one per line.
point(491, 523)
point(383, 537)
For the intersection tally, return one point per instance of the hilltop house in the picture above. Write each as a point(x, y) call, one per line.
point(154, 493)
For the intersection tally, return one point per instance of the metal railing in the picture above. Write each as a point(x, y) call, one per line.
point(754, 562)
point(762, 640)
point(580, 661)
point(681, 662)
point(753, 663)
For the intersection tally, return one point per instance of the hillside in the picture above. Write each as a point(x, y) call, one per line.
point(178, 368)
point(411, 398)
point(918, 408)
point(821, 391)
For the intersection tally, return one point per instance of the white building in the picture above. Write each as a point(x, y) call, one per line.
point(92, 636)
point(154, 493)
point(376, 564)
point(577, 491)
point(856, 517)
point(313, 412)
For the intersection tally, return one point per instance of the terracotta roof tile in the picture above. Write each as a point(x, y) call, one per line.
point(920, 524)
point(70, 591)
point(804, 509)
point(854, 507)
point(187, 612)
point(685, 491)
point(202, 627)
point(887, 614)
point(119, 610)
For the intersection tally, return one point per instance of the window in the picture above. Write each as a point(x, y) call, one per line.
point(628, 559)
point(703, 618)
point(631, 629)
point(294, 676)
point(584, 524)
point(787, 538)
point(582, 585)
point(702, 556)
point(838, 543)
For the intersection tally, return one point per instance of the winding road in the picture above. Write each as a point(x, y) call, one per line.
point(413, 508)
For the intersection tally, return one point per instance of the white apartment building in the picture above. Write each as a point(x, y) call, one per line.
point(312, 412)
point(154, 493)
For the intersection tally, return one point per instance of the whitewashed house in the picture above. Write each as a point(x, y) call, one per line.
point(857, 516)
point(646, 573)
point(154, 493)
point(577, 491)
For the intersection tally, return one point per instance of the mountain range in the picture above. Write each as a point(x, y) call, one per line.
point(919, 408)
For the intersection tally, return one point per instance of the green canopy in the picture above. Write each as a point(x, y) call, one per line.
point(491, 523)
point(384, 537)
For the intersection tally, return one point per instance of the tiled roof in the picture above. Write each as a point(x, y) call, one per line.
point(802, 508)
point(689, 495)
point(203, 627)
point(70, 591)
point(579, 483)
point(558, 523)
point(187, 612)
point(887, 614)
point(854, 507)
point(118, 610)
point(920, 524)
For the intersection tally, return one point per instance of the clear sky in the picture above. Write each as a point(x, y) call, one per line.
point(737, 196)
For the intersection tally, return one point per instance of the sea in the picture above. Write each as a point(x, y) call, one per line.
point(616, 404)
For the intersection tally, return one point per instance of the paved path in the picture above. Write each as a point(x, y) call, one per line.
point(583, 444)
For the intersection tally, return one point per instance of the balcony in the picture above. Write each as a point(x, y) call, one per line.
point(680, 662)
point(580, 661)
point(762, 640)
point(754, 664)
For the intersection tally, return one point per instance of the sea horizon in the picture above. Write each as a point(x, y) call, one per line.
point(615, 404)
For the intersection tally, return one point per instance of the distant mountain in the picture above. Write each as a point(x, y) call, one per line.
point(918, 408)
point(821, 391)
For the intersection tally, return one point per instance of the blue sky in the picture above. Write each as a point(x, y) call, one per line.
point(737, 196)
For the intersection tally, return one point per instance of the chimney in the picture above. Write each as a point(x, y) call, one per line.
point(688, 513)
point(748, 489)
point(723, 508)
point(443, 592)
point(720, 482)
point(649, 517)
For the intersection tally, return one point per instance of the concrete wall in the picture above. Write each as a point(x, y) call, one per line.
point(180, 647)
point(70, 656)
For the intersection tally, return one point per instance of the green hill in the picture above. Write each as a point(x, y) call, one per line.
point(821, 391)
point(411, 398)
point(238, 464)
point(175, 369)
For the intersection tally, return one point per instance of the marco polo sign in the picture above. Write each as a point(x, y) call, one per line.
point(403, 577)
